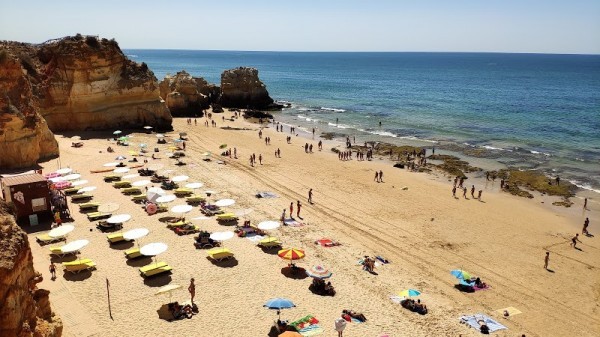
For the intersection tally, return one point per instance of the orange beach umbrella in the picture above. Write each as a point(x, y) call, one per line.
point(291, 254)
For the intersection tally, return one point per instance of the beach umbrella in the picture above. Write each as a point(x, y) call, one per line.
point(409, 293)
point(269, 225)
point(160, 135)
point(64, 170)
point(181, 209)
point(61, 231)
point(141, 183)
point(278, 304)
point(108, 207)
point(225, 202)
point(290, 334)
point(291, 254)
point(147, 127)
point(119, 218)
point(124, 139)
point(74, 246)
point(179, 179)
point(73, 176)
point(112, 164)
point(166, 198)
point(318, 271)
point(86, 189)
point(79, 182)
point(57, 179)
point(130, 176)
point(142, 145)
point(76, 138)
point(168, 289)
point(153, 193)
point(206, 154)
point(121, 170)
point(153, 249)
point(460, 274)
point(194, 185)
point(135, 234)
point(118, 132)
point(120, 158)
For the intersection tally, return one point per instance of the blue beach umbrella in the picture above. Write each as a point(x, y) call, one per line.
point(461, 274)
point(409, 293)
point(278, 304)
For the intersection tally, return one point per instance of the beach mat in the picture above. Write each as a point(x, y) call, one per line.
point(293, 223)
point(255, 238)
point(511, 311)
point(266, 195)
point(308, 326)
point(471, 320)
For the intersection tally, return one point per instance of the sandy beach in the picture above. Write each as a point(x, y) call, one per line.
point(411, 219)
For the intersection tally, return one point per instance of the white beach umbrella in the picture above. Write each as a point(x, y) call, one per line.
point(120, 158)
point(179, 179)
point(160, 135)
point(76, 138)
point(194, 185)
point(135, 234)
point(154, 192)
point(64, 170)
point(73, 176)
point(108, 207)
point(168, 289)
point(130, 176)
point(225, 202)
point(119, 218)
point(148, 127)
point(61, 231)
point(153, 249)
point(269, 225)
point(141, 183)
point(222, 236)
point(86, 189)
point(111, 164)
point(121, 170)
point(79, 182)
point(118, 132)
point(166, 198)
point(74, 246)
point(181, 209)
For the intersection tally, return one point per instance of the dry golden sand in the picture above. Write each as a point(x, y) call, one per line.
point(422, 230)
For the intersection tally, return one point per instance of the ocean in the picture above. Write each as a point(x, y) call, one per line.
point(530, 111)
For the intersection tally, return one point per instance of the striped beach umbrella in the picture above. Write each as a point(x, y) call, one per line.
point(291, 254)
point(319, 272)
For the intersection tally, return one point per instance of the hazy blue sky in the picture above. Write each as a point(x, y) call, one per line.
point(545, 26)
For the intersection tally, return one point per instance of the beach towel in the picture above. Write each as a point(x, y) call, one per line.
point(382, 259)
point(355, 320)
point(308, 326)
point(255, 238)
point(292, 223)
point(327, 243)
point(266, 195)
point(472, 321)
point(510, 310)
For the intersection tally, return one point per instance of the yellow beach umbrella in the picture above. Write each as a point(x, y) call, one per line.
point(291, 254)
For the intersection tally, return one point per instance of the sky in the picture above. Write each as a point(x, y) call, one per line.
point(536, 26)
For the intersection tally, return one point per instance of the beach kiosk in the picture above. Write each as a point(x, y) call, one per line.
point(30, 194)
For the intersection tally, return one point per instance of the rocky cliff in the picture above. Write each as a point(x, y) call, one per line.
point(24, 134)
point(88, 83)
point(186, 95)
point(24, 310)
point(241, 88)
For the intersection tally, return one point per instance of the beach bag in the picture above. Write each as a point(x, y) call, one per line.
point(485, 329)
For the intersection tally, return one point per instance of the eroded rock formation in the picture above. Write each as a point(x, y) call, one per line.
point(186, 95)
point(24, 134)
point(88, 83)
point(241, 88)
point(24, 310)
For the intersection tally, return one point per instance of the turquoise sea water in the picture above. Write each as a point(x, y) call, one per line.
point(534, 111)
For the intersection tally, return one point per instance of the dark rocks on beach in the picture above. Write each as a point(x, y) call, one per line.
point(257, 114)
point(217, 108)
point(453, 165)
point(534, 181)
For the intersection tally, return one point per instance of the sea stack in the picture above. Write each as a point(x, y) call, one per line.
point(241, 88)
point(186, 95)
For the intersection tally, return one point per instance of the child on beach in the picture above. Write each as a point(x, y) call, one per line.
point(586, 223)
point(53, 270)
point(291, 209)
point(574, 240)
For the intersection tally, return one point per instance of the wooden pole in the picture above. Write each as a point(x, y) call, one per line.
point(108, 295)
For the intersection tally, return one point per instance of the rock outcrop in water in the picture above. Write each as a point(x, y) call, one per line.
point(241, 88)
point(24, 134)
point(88, 83)
point(24, 310)
point(186, 95)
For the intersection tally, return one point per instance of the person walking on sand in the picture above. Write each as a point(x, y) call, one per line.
point(283, 215)
point(376, 176)
point(321, 148)
point(586, 223)
point(260, 158)
point(298, 207)
point(585, 203)
point(291, 209)
point(465, 193)
point(53, 270)
point(454, 191)
point(340, 325)
point(479, 195)
point(558, 180)
point(310, 194)
point(235, 152)
point(473, 191)
point(380, 176)
point(192, 290)
point(546, 260)
point(574, 240)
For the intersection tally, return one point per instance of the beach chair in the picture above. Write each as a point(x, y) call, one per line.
point(79, 197)
point(269, 242)
point(182, 192)
point(79, 265)
point(133, 253)
point(89, 205)
point(155, 269)
point(131, 190)
point(111, 178)
point(226, 217)
point(179, 223)
point(93, 216)
point(139, 198)
point(189, 229)
point(115, 237)
point(220, 254)
point(204, 241)
point(122, 184)
point(71, 190)
point(195, 199)
point(56, 250)
point(45, 239)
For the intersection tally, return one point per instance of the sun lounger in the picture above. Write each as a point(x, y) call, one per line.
point(155, 269)
point(98, 216)
point(133, 253)
point(111, 178)
point(122, 184)
point(83, 196)
point(189, 229)
point(226, 217)
point(55, 250)
point(89, 205)
point(179, 223)
point(71, 190)
point(220, 254)
point(131, 190)
point(180, 192)
point(46, 239)
point(194, 199)
point(270, 242)
point(79, 265)
point(139, 197)
point(115, 237)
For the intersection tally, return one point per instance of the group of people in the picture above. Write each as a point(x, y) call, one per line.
point(458, 184)
point(253, 159)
